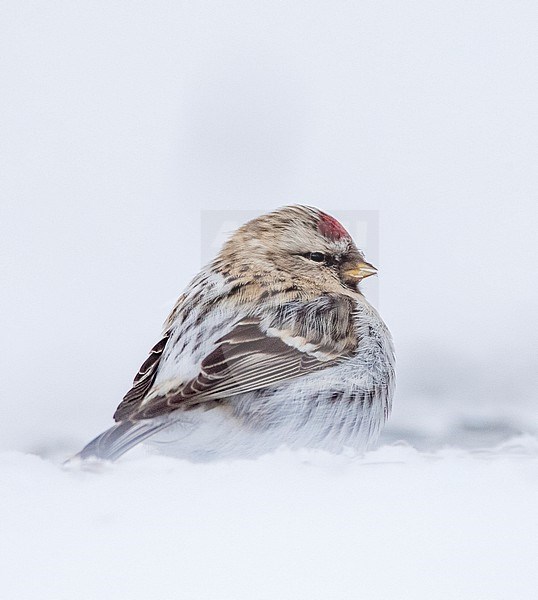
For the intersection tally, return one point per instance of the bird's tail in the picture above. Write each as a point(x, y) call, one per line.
point(120, 438)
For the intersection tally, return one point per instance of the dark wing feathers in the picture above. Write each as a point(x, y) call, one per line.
point(143, 380)
point(255, 354)
point(237, 367)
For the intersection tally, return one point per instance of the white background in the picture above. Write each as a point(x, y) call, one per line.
point(121, 121)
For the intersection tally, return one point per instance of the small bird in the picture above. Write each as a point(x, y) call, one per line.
point(271, 344)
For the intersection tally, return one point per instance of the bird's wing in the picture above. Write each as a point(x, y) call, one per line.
point(296, 339)
point(145, 377)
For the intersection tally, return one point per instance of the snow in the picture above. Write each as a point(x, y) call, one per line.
point(396, 523)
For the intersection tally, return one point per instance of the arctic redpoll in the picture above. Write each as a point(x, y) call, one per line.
point(271, 344)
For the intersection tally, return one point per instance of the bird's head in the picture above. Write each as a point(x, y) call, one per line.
point(300, 242)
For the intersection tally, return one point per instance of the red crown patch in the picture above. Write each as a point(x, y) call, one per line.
point(330, 228)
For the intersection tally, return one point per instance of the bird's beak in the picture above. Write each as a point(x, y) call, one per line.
point(361, 270)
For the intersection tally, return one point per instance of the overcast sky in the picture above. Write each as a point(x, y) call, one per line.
point(120, 122)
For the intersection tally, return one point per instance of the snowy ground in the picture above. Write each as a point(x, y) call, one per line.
point(394, 524)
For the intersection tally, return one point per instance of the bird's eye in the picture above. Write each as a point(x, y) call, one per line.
point(316, 256)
